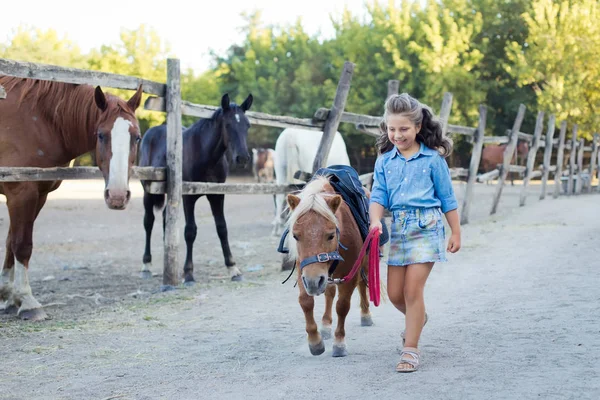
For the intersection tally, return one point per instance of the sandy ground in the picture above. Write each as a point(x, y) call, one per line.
point(513, 315)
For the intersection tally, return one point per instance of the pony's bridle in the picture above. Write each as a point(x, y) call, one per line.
point(326, 257)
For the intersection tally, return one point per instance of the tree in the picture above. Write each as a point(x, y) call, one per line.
point(559, 60)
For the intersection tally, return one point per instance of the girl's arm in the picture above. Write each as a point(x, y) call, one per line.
point(442, 183)
point(379, 197)
point(453, 221)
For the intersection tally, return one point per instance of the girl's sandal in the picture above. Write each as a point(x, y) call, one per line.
point(409, 360)
point(403, 334)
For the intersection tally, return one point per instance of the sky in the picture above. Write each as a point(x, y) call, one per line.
point(190, 34)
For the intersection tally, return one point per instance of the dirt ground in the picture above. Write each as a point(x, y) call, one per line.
point(514, 314)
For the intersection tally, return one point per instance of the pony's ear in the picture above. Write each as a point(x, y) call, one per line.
point(100, 99)
point(136, 99)
point(225, 102)
point(293, 201)
point(334, 202)
point(247, 103)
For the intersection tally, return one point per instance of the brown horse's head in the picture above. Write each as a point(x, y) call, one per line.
point(117, 138)
point(315, 234)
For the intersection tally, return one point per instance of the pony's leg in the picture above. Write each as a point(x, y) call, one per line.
point(23, 211)
point(216, 205)
point(327, 318)
point(342, 308)
point(148, 225)
point(365, 313)
point(315, 342)
point(7, 278)
point(189, 204)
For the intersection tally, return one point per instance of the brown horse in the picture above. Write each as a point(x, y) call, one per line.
point(319, 223)
point(263, 165)
point(493, 154)
point(47, 124)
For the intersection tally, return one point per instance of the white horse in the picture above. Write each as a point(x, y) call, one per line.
point(295, 150)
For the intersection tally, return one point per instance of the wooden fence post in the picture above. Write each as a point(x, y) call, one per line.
point(445, 111)
point(579, 183)
point(174, 177)
point(530, 165)
point(572, 161)
point(335, 114)
point(547, 154)
point(560, 159)
point(393, 88)
point(474, 165)
point(593, 160)
point(507, 157)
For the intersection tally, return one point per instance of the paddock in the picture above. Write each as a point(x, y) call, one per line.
point(114, 335)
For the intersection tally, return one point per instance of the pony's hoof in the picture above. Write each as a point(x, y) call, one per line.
point(366, 320)
point(146, 274)
point(339, 350)
point(317, 349)
point(36, 314)
point(326, 333)
point(237, 278)
point(11, 310)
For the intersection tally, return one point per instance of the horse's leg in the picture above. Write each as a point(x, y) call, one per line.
point(23, 208)
point(365, 313)
point(216, 205)
point(342, 308)
point(7, 278)
point(327, 318)
point(189, 204)
point(148, 224)
point(315, 343)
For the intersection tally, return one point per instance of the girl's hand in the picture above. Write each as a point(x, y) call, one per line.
point(454, 243)
point(376, 224)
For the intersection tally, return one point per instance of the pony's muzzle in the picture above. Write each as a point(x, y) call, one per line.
point(117, 199)
point(316, 285)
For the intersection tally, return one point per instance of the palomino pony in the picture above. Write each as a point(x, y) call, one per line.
point(47, 124)
point(263, 165)
point(295, 150)
point(320, 221)
point(205, 144)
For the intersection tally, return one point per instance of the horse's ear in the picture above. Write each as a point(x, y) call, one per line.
point(334, 202)
point(293, 201)
point(247, 103)
point(136, 99)
point(100, 98)
point(225, 102)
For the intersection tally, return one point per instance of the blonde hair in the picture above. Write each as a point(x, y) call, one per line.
point(419, 114)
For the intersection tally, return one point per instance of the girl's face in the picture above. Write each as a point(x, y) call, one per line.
point(402, 132)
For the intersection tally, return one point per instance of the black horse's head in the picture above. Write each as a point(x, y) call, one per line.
point(235, 129)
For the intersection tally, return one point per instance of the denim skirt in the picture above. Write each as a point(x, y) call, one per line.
point(418, 236)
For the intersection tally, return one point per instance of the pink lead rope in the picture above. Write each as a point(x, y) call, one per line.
point(371, 243)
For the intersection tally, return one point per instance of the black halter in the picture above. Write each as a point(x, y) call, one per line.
point(322, 257)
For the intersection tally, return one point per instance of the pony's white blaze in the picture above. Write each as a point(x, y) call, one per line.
point(119, 161)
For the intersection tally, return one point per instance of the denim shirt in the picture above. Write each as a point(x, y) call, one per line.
point(422, 181)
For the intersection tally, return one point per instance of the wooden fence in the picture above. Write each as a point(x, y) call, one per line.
point(167, 98)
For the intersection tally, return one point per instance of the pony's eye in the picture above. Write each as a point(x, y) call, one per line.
point(331, 237)
point(101, 136)
point(295, 237)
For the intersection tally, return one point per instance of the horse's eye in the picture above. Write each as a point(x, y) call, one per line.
point(331, 237)
point(101, 136)
point(295, 237)
point(138, 139)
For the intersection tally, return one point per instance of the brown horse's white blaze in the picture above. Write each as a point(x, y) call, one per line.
point(316, 216)
point(117, 193)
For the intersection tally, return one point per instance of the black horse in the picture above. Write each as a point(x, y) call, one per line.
point(205, 145)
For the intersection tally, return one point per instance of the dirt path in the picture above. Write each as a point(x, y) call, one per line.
point(513, 315)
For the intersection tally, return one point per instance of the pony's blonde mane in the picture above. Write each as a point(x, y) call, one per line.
point(312, 198)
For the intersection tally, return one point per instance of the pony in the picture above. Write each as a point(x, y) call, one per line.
point(295, 150)
point(263, 165)
point(493, 154)
point(322, 227)
point(47, 124)
point(205, 147)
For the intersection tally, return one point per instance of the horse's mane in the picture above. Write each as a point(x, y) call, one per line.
point(70, 108)
point(312, 198)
